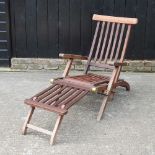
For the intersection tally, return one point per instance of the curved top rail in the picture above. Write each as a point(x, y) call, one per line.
point(122, 20)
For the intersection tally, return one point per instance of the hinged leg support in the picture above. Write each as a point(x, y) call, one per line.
point(55, 130)
point(102, 108)
point(52, 134)
point(28, 118)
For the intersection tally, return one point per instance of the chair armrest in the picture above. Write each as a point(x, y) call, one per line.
point(72, 56)
point(117, 64)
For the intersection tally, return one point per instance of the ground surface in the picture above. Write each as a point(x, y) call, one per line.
point(128, 126)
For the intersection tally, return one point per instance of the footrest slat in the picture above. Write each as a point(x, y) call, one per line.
point(39, 129)
point(57, 100)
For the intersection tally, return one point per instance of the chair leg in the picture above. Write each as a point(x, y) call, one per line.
point(28, 118)
point(111, 96)
point(55, 130)
point(102, 108)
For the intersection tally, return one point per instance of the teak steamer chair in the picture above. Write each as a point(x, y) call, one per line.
point(107, 51)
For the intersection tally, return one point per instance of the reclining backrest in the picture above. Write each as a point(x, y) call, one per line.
point(110, 40)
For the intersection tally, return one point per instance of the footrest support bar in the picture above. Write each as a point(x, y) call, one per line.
point(39, 129)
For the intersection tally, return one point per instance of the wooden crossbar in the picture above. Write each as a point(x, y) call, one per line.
point(122, 20)
point(39, 129)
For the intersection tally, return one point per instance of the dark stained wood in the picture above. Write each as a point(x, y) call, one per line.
point(99, 43)
point(104, 42)
point(72, 56)
point(42, 28)
point(53, 28)
point(72, 98)
point(140, 29)
point(46, 92)
point(112, 19)
point(66, 26)
point(120, 42)
point(114, 43)
point(62, 96)
point(130, 11)
point(86, 26)
point(31, 24)
point(45, 98)
point(150, 31)
point(100, 65)
point(67, 97)
point(75, 26)
point(109, 43)
point(20, 28)
point(67, 91)
point(45, 106)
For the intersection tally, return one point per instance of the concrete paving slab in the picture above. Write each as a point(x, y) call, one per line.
point(128, 126)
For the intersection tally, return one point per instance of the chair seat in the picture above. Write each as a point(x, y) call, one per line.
point(88, 81)
point(67, 91)
point(57, 98)
point(93, 79)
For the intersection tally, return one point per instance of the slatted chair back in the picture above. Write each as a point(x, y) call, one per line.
point(110, 41)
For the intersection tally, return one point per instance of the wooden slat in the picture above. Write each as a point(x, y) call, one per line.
point(53, 100)
point(119, 43)
point(125, 43)
point(92, 47)
point(123, 20)
point(101, 82)
point(80, 85)
point(114, 43)
point(94, 40)
point(77, 98)
point(48, 92)
point(71, 97)
point(67, 68)
point(96, 75)
point(99, 42)
point(56, 97)
point(72, 56)
point(92, 78)
point(43, 91)
point(123, 52)
point(39, 129)
point(45, 106)
point(52, 95)
point(65, 96)
point(109, 43)
point(104, 42)
point(101, 65)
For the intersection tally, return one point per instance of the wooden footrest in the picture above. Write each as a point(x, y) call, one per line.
point(57, 98)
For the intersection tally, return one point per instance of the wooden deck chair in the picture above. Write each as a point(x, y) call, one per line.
point(107, 51)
